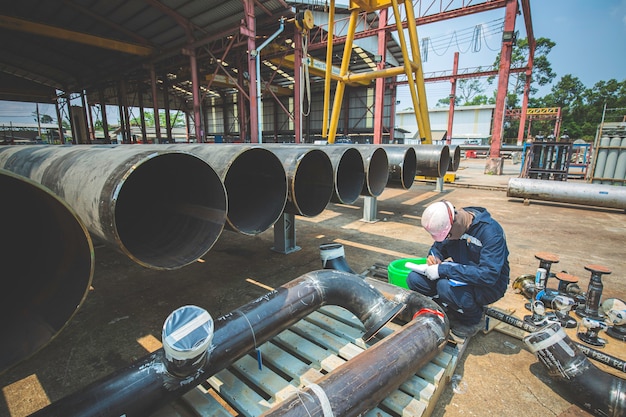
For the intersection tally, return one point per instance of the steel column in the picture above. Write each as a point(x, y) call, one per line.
point(455, 71)
point(105, 123)
point(379, 96)
point(250, 23)
point(155, 106)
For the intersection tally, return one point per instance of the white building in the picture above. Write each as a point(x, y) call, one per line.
point(472, 124)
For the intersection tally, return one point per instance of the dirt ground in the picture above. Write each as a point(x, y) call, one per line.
point(122, 317)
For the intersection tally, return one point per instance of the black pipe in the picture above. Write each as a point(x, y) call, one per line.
point(402, 166)
point(162, 209)
point(601, 357)
point(348, 172)
point(591, 388)
point(376, 166)
point(362, 383)
point(146, 385)
point(47, 267)
point(432, 160)
point(455, 158)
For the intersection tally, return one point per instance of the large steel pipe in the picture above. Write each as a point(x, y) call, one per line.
point(362, 383)
point(599, 195)
point(432, 160)
point(402, 166)
point(47, 267)
point(309, 176)
point(455, 158)
point(376, 166)
point(348, 171)
point(162, 209)
point(255, 181)
point(148, 384)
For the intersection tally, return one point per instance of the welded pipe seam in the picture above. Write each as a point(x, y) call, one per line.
point(146, 385)
point(163, 209)
point(48, 266)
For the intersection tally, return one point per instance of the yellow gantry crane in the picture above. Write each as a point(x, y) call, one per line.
point(412, 65)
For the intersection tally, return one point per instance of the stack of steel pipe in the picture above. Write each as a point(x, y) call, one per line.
point(376, 168)
point(432, 160)
point(163, 209)
point(310, 178)
point(255, 181)
point(402, 166)
point(48, 264)
point(348, 172)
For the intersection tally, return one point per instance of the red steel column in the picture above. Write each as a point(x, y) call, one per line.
point(379, 94)
point(155, 106)
point(248, 6)
point(297, 86)
point(494, 163)
point(455, 71)
point(195, 86)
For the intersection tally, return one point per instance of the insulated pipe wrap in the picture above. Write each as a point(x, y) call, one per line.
point(255, 181)
point(348, 171)
point(599, 195)
point(48, 265)
point(376, 167)
point(146, 385)
point(309, 176)
point(402, 166)
point(432, 160)
point(163, 209)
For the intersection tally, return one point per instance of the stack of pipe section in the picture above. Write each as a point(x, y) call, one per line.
point(48, 263)
point(162, 209)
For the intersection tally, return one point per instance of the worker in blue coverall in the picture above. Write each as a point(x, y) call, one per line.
point(467, 266)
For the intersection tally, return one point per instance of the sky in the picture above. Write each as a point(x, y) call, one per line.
point(590, 37)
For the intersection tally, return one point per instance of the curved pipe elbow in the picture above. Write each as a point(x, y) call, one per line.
point(593, 389)
point(147, 385)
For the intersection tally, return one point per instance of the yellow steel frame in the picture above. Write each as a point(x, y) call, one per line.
point(412, 66)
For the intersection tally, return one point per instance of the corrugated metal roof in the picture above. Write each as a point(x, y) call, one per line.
point(39, 50)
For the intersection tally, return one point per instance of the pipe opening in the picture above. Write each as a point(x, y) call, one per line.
point(48, 266)
point(170, 211)
point(313, 183)
point(377, 173)
point(256, 184)
point(455, 158)
point(432, 160)
point(349, 176)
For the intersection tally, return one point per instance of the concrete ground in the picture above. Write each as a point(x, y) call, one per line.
point(121, 318)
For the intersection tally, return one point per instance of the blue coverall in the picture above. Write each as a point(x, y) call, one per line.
point(479, 260)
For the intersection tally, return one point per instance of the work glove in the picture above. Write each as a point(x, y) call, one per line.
point(432, 272)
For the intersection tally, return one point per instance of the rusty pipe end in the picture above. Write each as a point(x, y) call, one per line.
point(169, 210)
point(48, 265)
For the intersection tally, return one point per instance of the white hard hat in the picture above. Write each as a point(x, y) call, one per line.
point(438, 219)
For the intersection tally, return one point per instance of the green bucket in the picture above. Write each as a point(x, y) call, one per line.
point(397, 272)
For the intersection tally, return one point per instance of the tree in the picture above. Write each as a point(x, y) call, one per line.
point(542, 73)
